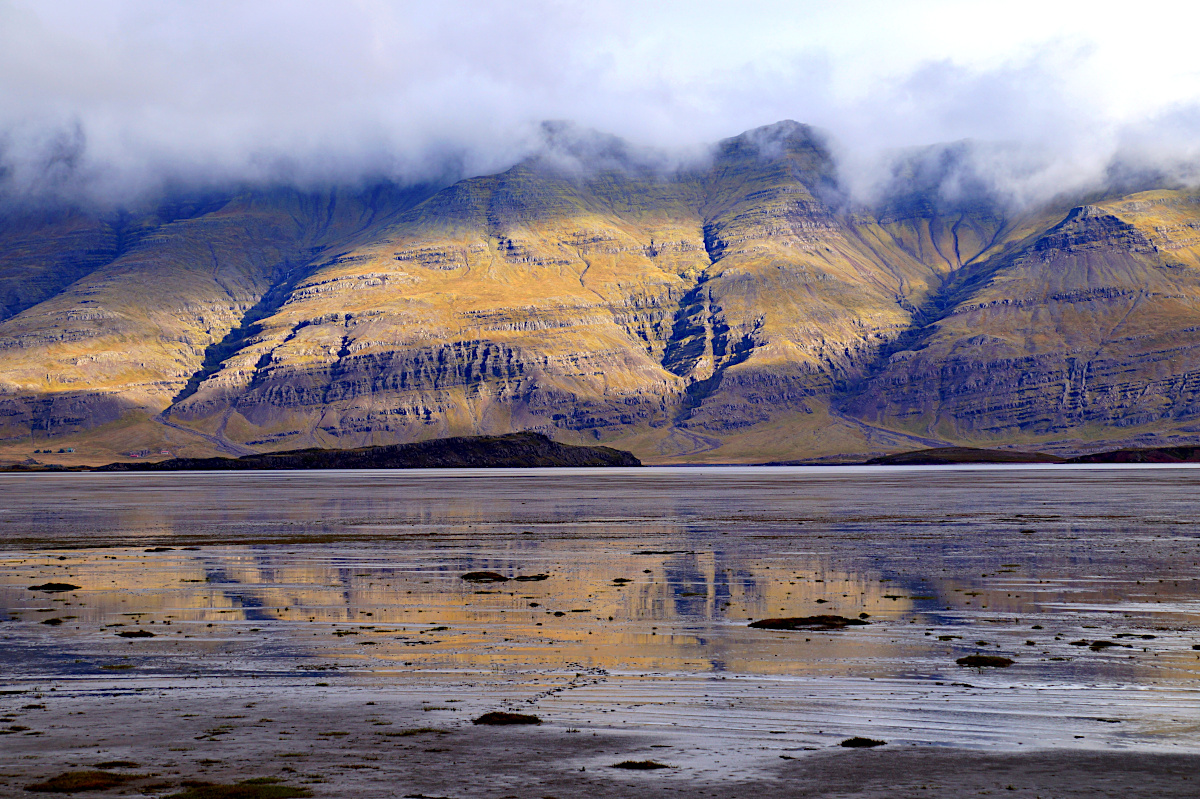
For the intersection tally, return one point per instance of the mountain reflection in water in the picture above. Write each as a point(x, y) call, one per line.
point(1084, 577)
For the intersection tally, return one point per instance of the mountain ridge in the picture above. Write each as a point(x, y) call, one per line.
point(738, 307)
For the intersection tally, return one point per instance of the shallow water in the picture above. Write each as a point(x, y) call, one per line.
point(353, 579)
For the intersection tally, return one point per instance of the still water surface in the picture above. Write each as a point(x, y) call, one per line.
point(355, 579)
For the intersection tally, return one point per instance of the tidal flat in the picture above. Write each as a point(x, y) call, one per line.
point(315, 629)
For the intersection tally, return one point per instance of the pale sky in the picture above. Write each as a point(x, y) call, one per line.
point(226, 89)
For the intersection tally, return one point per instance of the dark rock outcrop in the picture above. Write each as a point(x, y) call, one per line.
point(827, 622)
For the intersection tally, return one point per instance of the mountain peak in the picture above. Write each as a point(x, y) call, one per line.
point(1083, 212)
point(777, 139)
point(1093, 226)
point(572, 148)
point(570, 138)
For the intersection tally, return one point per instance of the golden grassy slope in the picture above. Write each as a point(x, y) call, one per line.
point(666, 311)
point(124, 339)
point(726, 311)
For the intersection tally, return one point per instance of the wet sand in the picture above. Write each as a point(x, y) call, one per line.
point(338, 745)
point(303, 626)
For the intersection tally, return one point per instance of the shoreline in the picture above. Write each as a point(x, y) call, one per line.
point(806, 468)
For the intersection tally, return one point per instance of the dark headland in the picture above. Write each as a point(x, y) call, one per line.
point(515, 450)
point(1187, 454)
point(941, 456)
point(951, 455)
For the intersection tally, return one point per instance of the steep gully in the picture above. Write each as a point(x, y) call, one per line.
point(700, 347)
point(700, 340)
point(377, 204)
point(957, 285)
point(287, 276)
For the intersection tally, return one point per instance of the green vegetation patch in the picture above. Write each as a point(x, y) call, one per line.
point(985, 661)
point(136, 634)
point(1098, 646)
point(484, 577)
point(76, 781)
point(414, 731)
point(259, 788)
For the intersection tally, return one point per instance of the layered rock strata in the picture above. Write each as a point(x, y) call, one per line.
point(1090, 330)
point(732, 308)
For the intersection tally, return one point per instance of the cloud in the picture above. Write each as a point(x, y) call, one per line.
point(111, 98)
point(1018, 132)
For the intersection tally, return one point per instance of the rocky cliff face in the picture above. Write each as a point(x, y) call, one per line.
point(733, 309)
point(123, 339)
point(665, 310)
point(1089, 331)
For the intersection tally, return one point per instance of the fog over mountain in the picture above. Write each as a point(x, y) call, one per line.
point(703, 233)
point(108, 100)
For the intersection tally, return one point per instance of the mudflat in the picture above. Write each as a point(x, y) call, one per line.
point(314, 630)
point(334, 744)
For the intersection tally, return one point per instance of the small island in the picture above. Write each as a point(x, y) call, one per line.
point(515, 450)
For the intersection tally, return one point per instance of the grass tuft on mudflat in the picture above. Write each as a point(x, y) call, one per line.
point(502, 717)
point(808, 623)
point(985, 661)
point(484, 577)
point(640, 765)
point(259, 788)
point(858, 742)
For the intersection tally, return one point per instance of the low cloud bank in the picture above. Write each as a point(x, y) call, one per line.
point(111, 100)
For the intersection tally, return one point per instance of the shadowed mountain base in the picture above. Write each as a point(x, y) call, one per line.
point(949, 455)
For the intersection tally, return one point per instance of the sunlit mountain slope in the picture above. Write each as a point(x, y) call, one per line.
point(735, 307)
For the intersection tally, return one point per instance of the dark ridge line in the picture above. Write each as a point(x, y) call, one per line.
point(950, 456)
point(126, 234)
point(292, 270)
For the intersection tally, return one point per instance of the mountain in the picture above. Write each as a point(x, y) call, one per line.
point(1089, 331)
point(735, 307)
